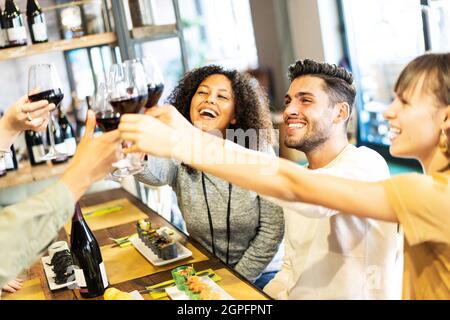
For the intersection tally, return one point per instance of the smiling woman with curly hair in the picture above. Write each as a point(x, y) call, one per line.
point(233, 223)
point(251, 105)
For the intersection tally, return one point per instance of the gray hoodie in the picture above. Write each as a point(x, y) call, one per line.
point(256, 225)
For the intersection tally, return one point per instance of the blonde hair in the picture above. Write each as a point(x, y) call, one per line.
point(434, 68)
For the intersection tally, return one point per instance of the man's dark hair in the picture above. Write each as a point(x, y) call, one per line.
point(338, 81)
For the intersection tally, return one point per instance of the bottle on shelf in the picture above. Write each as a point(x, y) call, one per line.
point(15, 26)
point(3, 34)
point(87, 256)
point(93, 17)
point(36, 22)
point(71, 20)
point(141, 13)
point(60, 144)
point(68, 133)
point(11, 160)
point(35, 147)
point(3, 171)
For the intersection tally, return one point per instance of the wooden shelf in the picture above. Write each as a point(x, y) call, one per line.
point(154, 32)
point(58, 46)
point(27, 173)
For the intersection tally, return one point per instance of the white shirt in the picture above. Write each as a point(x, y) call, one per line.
point(330, 255)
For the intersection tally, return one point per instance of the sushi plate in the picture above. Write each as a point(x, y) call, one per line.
point(183, 253)
point(175, 294)
point(50, 276)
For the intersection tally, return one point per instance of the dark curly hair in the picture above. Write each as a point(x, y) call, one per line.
point(251, 105)
point(338, 81)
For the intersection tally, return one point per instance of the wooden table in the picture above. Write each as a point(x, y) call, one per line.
point(231, 281)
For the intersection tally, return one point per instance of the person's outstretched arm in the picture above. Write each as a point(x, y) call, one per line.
point(279, 178)
point(28, 227)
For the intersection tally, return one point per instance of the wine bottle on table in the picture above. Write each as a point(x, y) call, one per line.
point(15, 26)
point(87, 256)
point(35, 147)
point(36, 22)
point(68, 132)
point(3, 34)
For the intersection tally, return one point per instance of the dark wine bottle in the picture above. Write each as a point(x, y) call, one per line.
point(60, 145)
point(36, 22)
point(3, 34)
point(15, 26)
point(87, 256)
point(11, 160)
point(35, 147)
point(69, 135)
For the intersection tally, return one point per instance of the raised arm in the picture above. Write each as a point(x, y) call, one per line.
point(277, 178)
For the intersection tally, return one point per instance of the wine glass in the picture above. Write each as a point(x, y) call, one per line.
point(128, 93)
point(155, 81)
point(107, 119)
point(44, 84)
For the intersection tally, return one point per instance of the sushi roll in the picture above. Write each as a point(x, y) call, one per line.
point(169, 250)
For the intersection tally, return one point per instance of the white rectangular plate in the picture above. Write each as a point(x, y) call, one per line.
point(182, 251)
point(175, 294)
point(50, 274)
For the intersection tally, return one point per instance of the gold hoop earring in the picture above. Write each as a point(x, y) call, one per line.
point(444, 143)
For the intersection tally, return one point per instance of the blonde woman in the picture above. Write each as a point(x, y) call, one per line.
point(419, 120)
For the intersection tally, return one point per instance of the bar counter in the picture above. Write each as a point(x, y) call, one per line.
point(126, 268)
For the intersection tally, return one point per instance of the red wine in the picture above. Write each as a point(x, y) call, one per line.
point(108, 121)
point(36, 22)
point(87, 256)
point(154, 94)
point(52, 96)
point(129, 105)
point(15, 27)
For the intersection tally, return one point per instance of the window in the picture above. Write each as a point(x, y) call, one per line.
point(219, 32)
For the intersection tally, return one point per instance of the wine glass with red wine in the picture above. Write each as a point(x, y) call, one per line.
point(128, 93)
point(155, 81)
point(107, 118)
point(44, 84)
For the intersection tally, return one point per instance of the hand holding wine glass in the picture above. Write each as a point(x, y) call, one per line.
point(25, 115)
point(44, 84)
point(128, 93)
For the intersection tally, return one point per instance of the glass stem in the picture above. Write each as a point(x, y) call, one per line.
point(50, 129)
